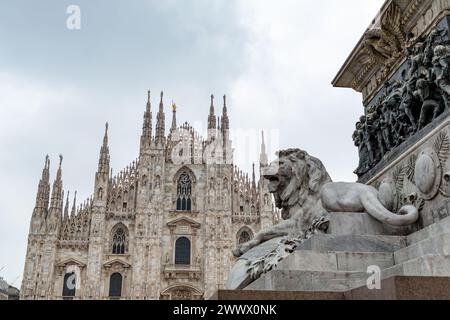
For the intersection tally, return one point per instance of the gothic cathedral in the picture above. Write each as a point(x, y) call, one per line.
point(162, 228)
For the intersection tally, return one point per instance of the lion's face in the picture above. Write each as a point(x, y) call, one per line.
point(294, 175)
point(281, 176)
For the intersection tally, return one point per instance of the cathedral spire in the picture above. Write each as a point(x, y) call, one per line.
point(253, 180)
point(62, 206)
point(74, 205)
point(253, 174)
point(174, 117)
point(225, 120)
point(66, 208)
point(57, 187)
point(212, 117)
point(43, 193)
point(263, 156)
point(160, 122)
point(147, 125)
point(103, 162)
point(102, 174)
point(105, 137)
point(225, 130)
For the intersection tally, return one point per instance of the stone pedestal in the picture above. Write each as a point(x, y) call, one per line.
point(394, 288)
point(339, 262)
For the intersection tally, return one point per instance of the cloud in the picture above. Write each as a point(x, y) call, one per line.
point(294, 50)
point(39, 118)
point(275, 61)
point(26, 105)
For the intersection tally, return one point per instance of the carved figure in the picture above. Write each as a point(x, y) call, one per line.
point(407, 102)
point(441, 62)
point(377, 124)
point(416, 61)
point(367, 140)
point(411, 103)
point(358, 139)
point(430, 104)
point(386, 43)
point(385, 121)
point(304, 192)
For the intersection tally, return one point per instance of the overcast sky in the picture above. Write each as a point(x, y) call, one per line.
point(275, 60)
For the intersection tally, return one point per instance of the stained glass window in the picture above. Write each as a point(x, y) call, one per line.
point(119, 239)
point(184, 188)
point(244, 237)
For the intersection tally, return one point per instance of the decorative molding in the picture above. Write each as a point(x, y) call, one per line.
point(181, 220)
point(399, 21)
point(117, 261)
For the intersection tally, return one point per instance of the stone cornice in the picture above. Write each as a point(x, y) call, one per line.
point(191, 222)
point(365, 70)
point(71, 261)
point(118, 261)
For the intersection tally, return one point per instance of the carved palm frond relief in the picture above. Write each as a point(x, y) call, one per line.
point(442, 147)
point(410, 169)
point(398, 175)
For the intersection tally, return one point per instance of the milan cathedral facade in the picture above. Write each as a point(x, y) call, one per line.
point(162, 228)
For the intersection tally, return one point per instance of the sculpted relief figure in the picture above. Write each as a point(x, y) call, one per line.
point(441, 61)
point(364, 157)
point(385, 121)
point(304, 192)
point(412, 100)
point(429, 100)
point(385, 44)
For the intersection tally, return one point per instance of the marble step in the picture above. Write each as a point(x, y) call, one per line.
point(430, 265)
point(435, 244)
point(338, 281)
point(353, 243)
point(393, 288)
point(440, 227)
point(335, 261)
point(294, 280)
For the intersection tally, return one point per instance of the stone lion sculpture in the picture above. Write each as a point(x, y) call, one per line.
point(304, 192)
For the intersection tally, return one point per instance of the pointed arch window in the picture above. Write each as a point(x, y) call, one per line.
point(184, 189)
point(244, 235)
point(183, 251)
point(119, 241)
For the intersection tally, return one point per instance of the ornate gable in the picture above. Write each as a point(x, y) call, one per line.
point(118, 262)
point(70, 262)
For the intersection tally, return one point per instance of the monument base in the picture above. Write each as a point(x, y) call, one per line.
point(328, 263)
point(393, 288)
